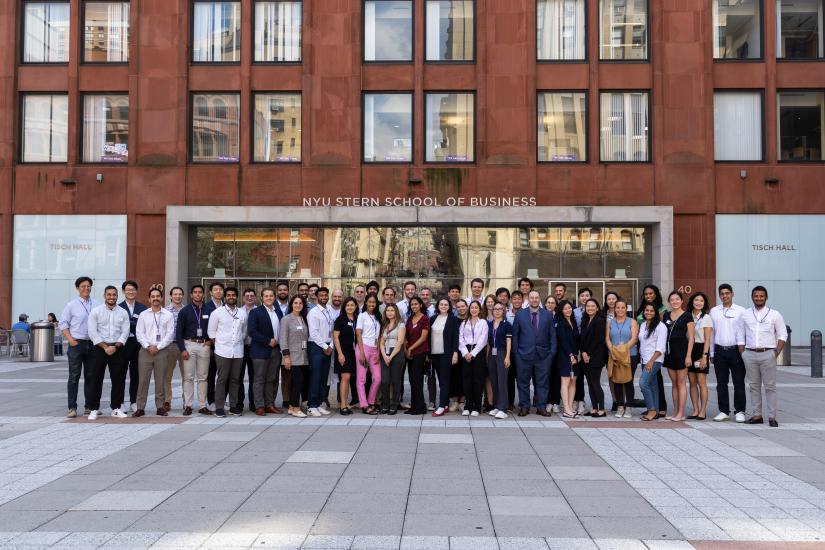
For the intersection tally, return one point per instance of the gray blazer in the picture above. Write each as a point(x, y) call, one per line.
point(293, 340)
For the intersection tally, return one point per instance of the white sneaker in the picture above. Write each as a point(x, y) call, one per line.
point(134, 407)
point(298, 413)
point(313, 411)
point(721, 417)
point(117, 413)
point(440, 411)
point(465, 412)
point(628, 413)
point(501, 415)
point(93, 415)
point(549, 408)
point(474, 413)
point(493, 412)
point(555, 408)
point(619, 412)
point(323, 411)
point(211, 407)
point(740, 417)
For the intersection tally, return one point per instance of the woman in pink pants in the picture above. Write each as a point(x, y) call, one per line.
point(367, 329)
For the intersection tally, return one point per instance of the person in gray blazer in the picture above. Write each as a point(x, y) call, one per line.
point(294, 334)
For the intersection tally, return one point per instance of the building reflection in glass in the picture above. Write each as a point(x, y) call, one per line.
point(438, 256)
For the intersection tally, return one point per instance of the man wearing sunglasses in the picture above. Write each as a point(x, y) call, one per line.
point(725, 355)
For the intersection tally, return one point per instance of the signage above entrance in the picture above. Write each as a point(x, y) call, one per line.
point(497, 202)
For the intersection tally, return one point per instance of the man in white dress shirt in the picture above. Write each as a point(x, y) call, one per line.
point(761, 336)
point(410, 289)
point(725, 355)
point(74, 327)
point(155, 331)
point(320, 348)
point(227, 329)
point(108, 330)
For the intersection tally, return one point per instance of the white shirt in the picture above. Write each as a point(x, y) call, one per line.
point(404, 309)
point(472, 338)
point(108, 325)
point(276, 322)
point(649, 345)
point(369, 326)
point(155, 328)
point(284, 307)
point(724, 322)
point(227, 329)
point(470, 299)
point(320, 322)
point(699, 326)
point(761, 328)
point(75, 317)
point(437, 334)
point(334, 313)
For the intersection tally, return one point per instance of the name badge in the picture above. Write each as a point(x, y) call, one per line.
point(303, 345)
point(299, 327)
point(349, 323)
point(205, 317)
point(157, 337)
point(494, 351)
point(135, 316)
point(199, 333)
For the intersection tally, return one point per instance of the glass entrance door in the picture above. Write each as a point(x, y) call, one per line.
point(627, 289)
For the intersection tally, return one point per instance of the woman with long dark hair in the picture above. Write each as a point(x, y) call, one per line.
point(568, 356)
point(472, 340)
point(391, 347)
point(456, 378)
point(680, 334)
point(594, 355)
point(652, 344)
point(418, 347)
point(293, 336)
point(652, 295)
point(443, 351)
point(343, 335)
point(698, 370)
point(367, 329)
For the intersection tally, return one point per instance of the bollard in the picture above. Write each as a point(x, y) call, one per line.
point(816, 354)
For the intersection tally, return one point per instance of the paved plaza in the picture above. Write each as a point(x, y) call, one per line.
point(404, 482)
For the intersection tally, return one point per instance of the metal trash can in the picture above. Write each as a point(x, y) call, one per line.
point(42, 341)
point(784, 358)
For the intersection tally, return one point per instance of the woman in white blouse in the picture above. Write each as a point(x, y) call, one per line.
point(698, 371)
point(652, 344)
point(367, 329)
point(472, 341)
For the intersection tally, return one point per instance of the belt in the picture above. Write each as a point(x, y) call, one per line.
point(760, 350)
point(726, 348)
point(197, 340)
point(110, 343)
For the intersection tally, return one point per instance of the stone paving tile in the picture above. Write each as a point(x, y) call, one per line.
point(538, 526)
point(39, 538)
point(321, 457)
point(522, 543)
point(376, 542)
point(124, 500)
point(448, 524)
point(412, 542)
point(529, 506)
point(473, 543)
point(134, 540)
point(560, 543)
point(327, 542)
point(446, 439)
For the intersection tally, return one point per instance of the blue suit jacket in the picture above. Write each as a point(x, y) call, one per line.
point(259, 330)
point(139, 308)
point(529, 344)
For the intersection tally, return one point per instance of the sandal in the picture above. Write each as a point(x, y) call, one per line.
point(565, 415)
point(371, 411)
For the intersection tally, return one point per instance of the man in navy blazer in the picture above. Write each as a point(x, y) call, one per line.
point(131, 349)
point(262, 328)
point(534, 342)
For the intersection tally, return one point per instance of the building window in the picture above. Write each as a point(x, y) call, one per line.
point(388, 28)
point(106, 32)
point(216, 32)
point(623, 35)
point(46, 32)
point(575, 240)
point(524, 238)
point(560, 30)
point(801, 127)
point(277, 120)
point(737, 125)
point(215, 127)
point(450, 30)
point(595, 242)
point(627, 240)
point(277, 32)
point(45, 128)
point(562, 128)
point(450, 127)
point(737, 29)
point(106, 128)
point(492, 238)
point(387, 127)
point(624, 127)
point(799, 29)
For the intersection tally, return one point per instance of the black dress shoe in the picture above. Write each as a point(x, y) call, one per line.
point(383, 410)
point(773, 423)
point(755, 420)
point(542, 412)
point(392, 412)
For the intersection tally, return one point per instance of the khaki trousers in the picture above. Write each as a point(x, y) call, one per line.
point(174, 358)
point(196, 372)
point(148, 366)
point(761, 369)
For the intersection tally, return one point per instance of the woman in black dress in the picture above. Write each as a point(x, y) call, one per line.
point(344, 336)
point(679, 325)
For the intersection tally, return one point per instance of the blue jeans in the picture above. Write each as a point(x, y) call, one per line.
point(650, 386)
point(318, 374)
point(79, 356)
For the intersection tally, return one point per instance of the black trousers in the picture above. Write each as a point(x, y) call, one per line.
point(579, 396)
point(98, 361)
point(442, 367)
point(474, 373)
point(661, 383)
point(728, 364)
point(594, 378)
point(554, 395)
point(247, 367)
point(625, 394)
point(210, 378)
point(297, 384)
point(392, 377)
point(511, 382)
point(130, 358)
point(416, 367)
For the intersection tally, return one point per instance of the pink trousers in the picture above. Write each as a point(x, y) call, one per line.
point(361, 375)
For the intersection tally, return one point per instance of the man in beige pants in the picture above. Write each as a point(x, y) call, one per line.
point(176, 295)
point(195, 349)
point(155, 331)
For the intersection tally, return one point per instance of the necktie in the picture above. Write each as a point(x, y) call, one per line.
point(536, 321)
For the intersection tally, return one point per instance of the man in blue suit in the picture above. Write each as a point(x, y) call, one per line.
point(534, 342)
point(263, 331)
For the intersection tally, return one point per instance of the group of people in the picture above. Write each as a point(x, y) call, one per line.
point(471, 354)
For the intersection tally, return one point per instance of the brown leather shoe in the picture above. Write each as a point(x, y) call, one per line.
point(542, 412)
point(523, 412)
point(274, 410)
point(162, 412)
point(204, 411)
point(260, 411)
point(187, 411)
point(167, 405)
point(138, 413)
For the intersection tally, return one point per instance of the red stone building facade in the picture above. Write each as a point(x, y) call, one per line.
point(678, 72)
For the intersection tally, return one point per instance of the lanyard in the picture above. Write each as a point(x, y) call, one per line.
point(198, 314)
point(762, 320)
point(234, 315)
point(157, 323)
point(87, 309)
point(495, 332)
point(472, 329)
point(621, 328)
